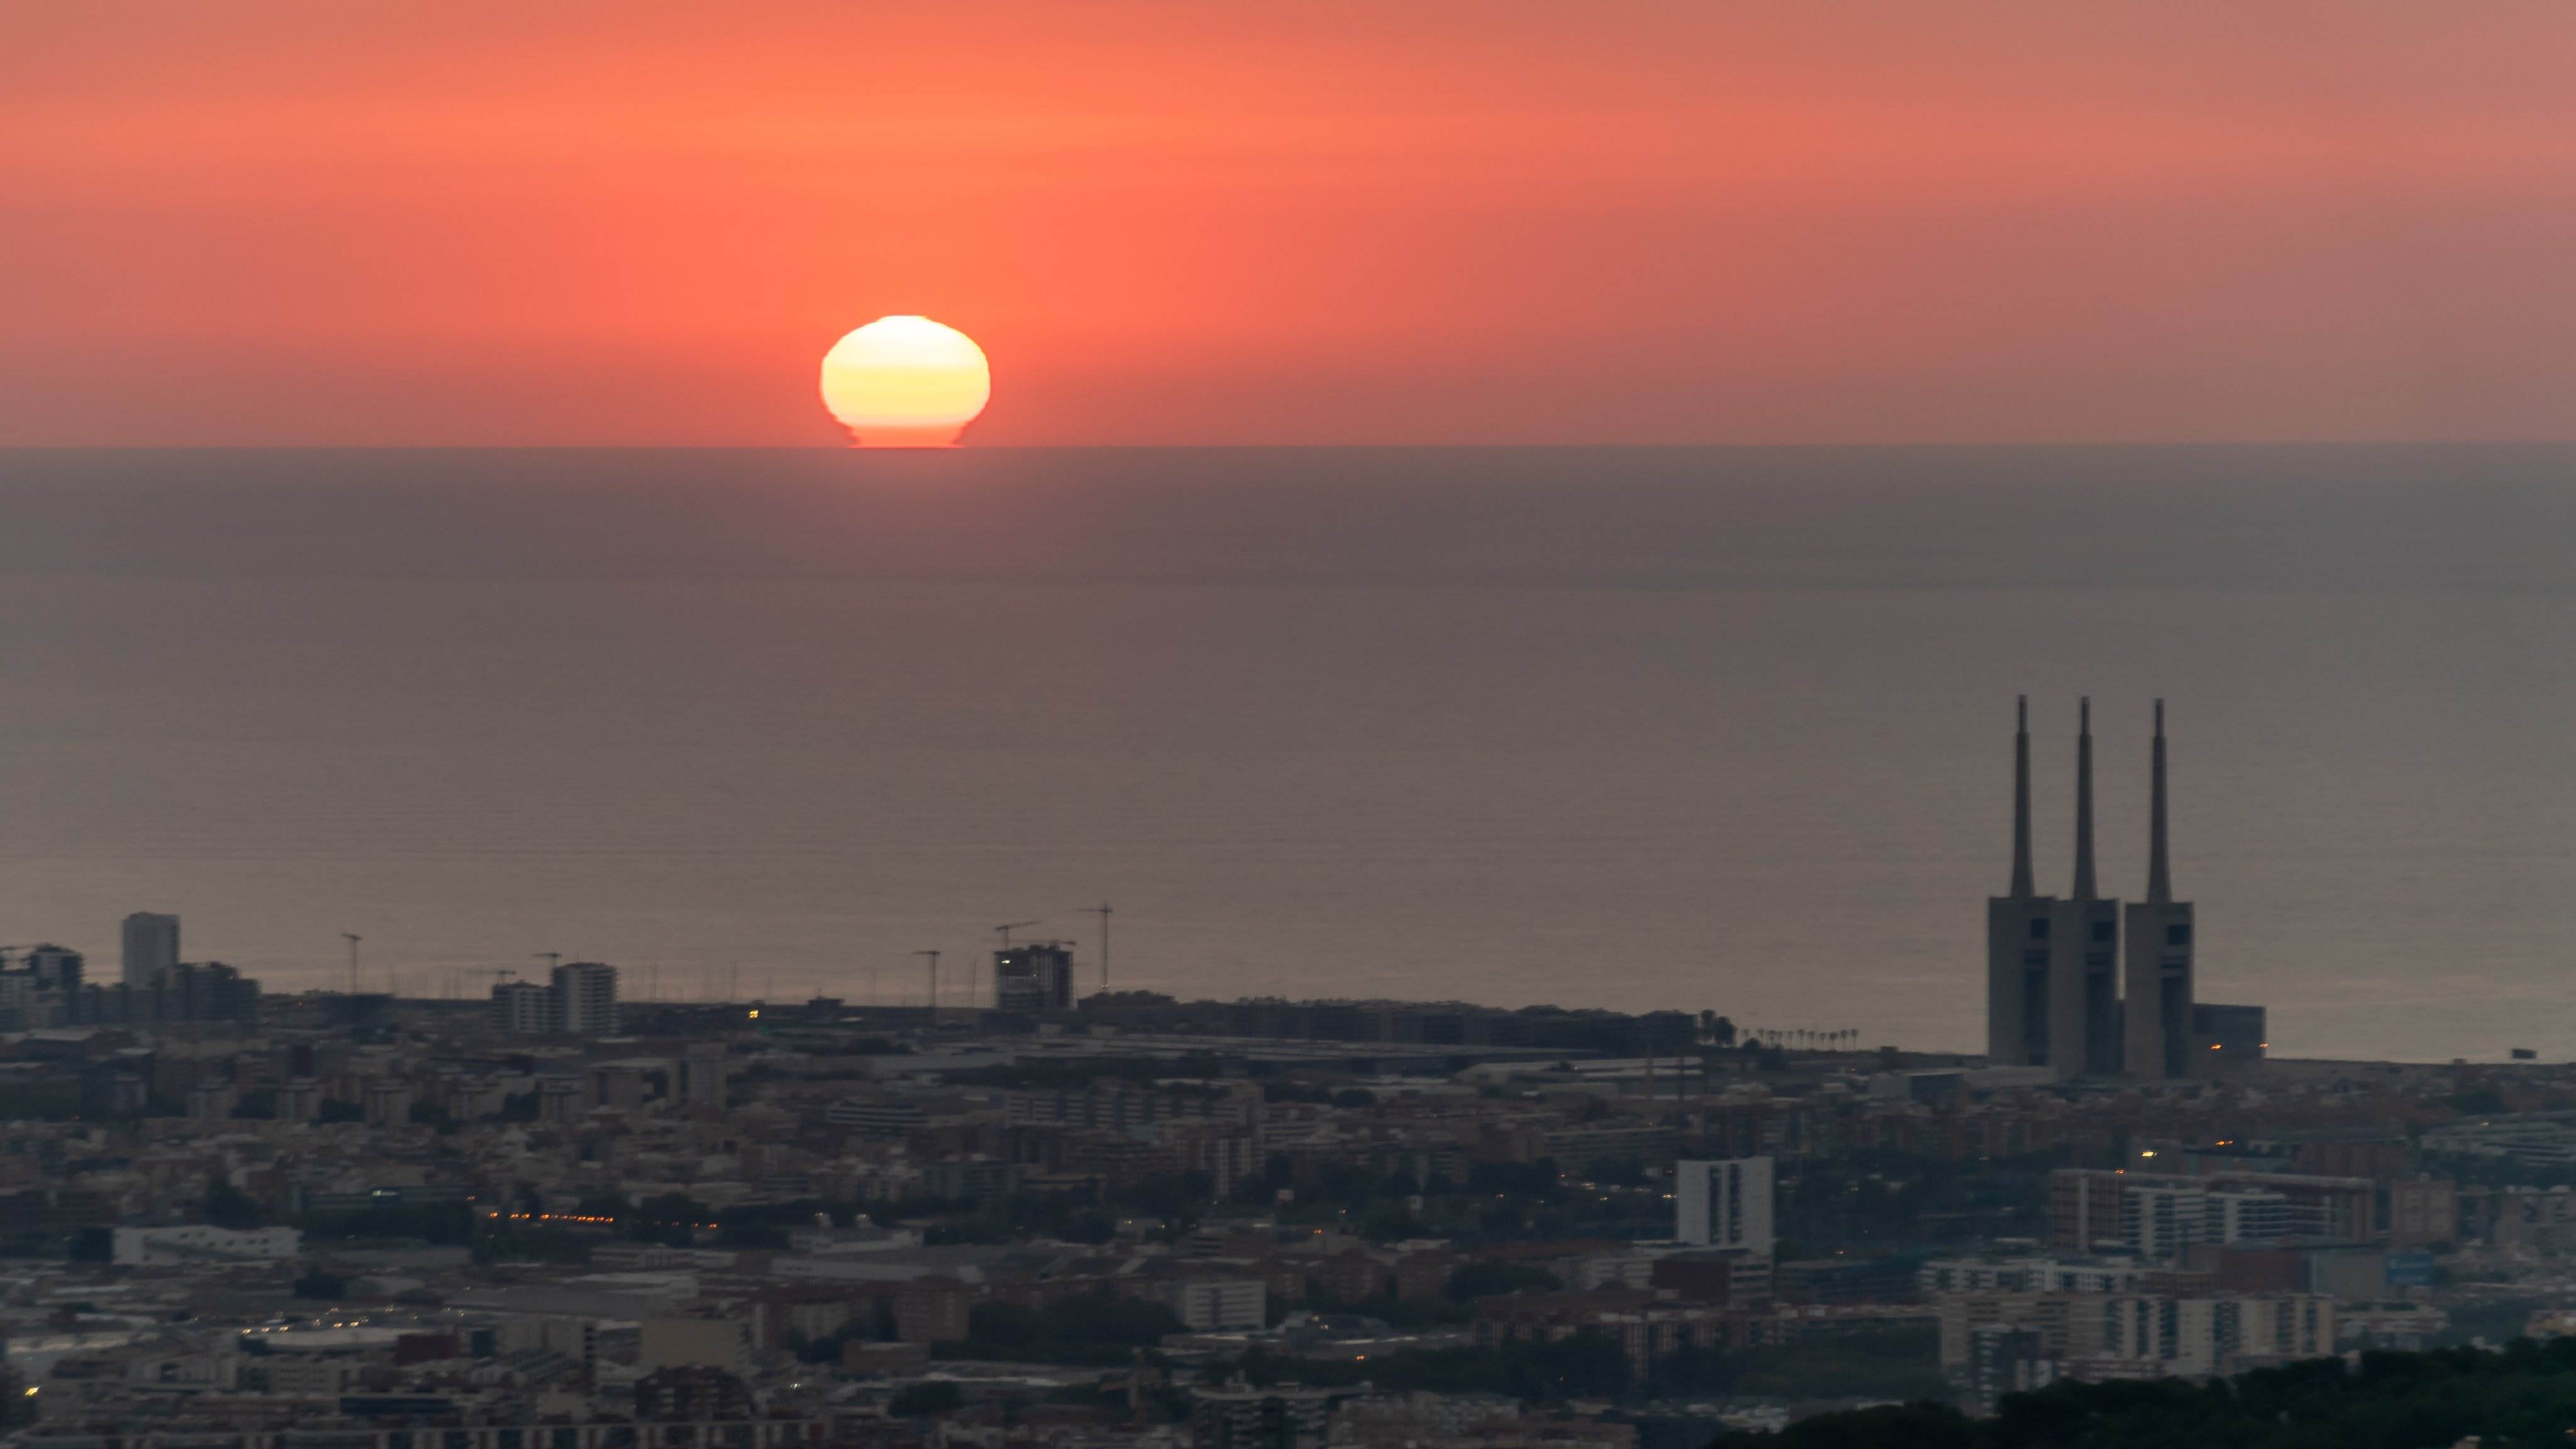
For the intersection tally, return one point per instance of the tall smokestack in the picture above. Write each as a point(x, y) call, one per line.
point(2084, 802)
point(2159, 868)
point(2022, 888)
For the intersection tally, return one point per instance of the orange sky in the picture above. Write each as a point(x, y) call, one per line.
point(1302, 221)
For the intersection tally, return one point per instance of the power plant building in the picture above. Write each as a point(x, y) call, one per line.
point(2060, 994)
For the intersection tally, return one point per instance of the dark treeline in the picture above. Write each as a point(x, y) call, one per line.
point(2520, 1398)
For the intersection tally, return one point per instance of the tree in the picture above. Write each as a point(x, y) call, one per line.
point(226, 1206)
point(926, 1398)
point(1486, 1280)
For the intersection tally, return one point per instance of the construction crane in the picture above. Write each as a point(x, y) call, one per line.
point(1102, 911)
point(551, 958)
point(1007, 928)
point(352, 938)
point(934, 984)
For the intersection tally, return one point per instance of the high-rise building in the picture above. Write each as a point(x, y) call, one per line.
point(56, 968)
point(1724, 1204)
point(586, 997)
point(1036, 977)
point(151, 949)
point(524, 1008)
point(702, 1076)
point(2159, 984)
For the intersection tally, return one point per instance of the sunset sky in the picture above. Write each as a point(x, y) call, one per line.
point(1233, 221)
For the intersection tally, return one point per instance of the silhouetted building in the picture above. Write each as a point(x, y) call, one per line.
point(43, 990)
point(2159, 985)
point(1033, 978)
point(2091, 1020)
point(2226, 1038)
point(2087, 988)
point(1283, 1416)
point(186, 991)
point(691, 1393)
point(525, 1008)
point(580, 1000)
point(151, 949)
point(2037, 946)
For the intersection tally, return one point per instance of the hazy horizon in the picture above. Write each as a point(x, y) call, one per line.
point(1696, 728)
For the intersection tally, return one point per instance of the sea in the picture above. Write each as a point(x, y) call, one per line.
point(1695, 728)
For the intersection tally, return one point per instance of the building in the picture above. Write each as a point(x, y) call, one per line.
point(702, 1077)
point(1216, 1305)
point(687, 1393)
point(2019, 936)
point(2052, 966)
point(714, 1343)
point(1280, 1417)
point(932, 1310)
point(586, 995)
point(2159, 1215)
point(2159, 985)
point(199, 1243)
point(2005, 1358)
point(1033, 978)
point(151, 949)
point(580, 1000)
point(1724, 1205)
point(2127, 1336)
point(42, 991)
point(2227, 1038)
point(2086, 987)
point(2027, 1275)
point(524, 1008)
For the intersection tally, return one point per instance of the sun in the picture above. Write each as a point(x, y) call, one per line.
point(906, 382)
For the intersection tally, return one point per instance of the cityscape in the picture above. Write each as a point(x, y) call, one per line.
point(334, 1219)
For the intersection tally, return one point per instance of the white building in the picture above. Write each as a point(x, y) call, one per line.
point(151, 949)
point(1217, 1305)
point(199, 1243)
point(2159, 1222)
point(2027, 1275)
point(1725, 1204)
point(586, 995)
point(2126, 1335)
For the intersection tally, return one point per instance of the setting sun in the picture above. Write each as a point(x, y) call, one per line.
point(906, 382)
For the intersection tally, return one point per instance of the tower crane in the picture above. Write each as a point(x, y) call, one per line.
point(934, 984)
point(1102, 911)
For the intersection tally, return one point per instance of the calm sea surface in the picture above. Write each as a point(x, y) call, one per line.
point(1693, 728)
